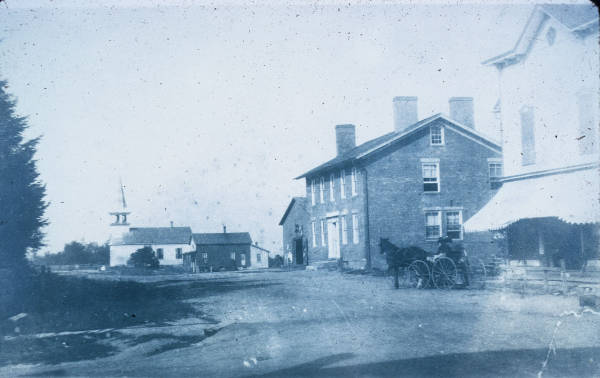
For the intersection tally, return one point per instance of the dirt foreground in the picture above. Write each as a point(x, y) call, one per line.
point(314, 323)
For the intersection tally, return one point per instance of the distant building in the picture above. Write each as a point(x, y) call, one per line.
point(548, 205)
point(169, 244)
point(412, 186)
point(259, 257)
point(220, 251)
point(295, 223)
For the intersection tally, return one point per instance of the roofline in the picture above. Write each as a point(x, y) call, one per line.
point(288, 209)
point(493, 145)
point(513, 54)
point(549, 172)
point(250, 243)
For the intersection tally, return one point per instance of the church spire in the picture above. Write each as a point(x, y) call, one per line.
point(121, 213)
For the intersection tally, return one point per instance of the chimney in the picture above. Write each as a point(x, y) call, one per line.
point(405, 112)
point(171, 224)
point(345, 138)
point(461, 110)
point(224, 229)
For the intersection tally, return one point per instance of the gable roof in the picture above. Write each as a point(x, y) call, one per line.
point(300, 201)
point(368, 148)
point(222, 238)
point(156, 235)
point(577, 18)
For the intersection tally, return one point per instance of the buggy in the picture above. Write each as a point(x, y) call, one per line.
point(449, 268)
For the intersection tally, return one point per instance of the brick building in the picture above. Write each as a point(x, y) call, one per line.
point(412, 185)
point(294, 224)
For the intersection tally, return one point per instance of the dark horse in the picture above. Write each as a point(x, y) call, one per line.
point(400, 257)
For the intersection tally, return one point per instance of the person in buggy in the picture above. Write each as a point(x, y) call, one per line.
point(455, 252)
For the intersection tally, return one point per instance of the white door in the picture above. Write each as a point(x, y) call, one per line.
point(333, 236)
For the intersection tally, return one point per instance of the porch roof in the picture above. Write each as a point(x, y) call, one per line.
point(572, 196)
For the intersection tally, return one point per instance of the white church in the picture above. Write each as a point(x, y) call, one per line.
point(169, 243)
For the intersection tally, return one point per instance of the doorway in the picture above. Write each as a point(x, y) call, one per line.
point(333, 238)
point(299, 251)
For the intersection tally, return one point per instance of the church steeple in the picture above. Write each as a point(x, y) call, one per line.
point(121, 212)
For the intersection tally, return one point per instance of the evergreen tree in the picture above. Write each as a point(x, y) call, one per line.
point(22, 202)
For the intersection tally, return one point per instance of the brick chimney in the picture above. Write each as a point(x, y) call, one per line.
point(345, 138)
point(224, 229)
point(461, 110)
point(405, 112)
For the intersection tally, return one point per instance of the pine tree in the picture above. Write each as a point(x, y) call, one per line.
point(22, 194)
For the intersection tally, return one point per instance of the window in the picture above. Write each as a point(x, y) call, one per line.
point(243, 259)
point(437, 135)
point(160, 254)
point(431, 179)
point(343, 183)
point(454, 224)
point(587, 137)
point(322, 189)
point(232, 255)
point(433, 227)
point(205, 258)
point(313, 185)
point(258, 257)
point(178, 254)
point(314, 234)
point(323, 232)
point(344, 230)
point(495, 169)
point(527, 136)
point(355, 228)
point(354, 182)
point(332, 187)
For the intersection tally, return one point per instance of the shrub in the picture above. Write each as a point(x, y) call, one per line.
point(144, 258)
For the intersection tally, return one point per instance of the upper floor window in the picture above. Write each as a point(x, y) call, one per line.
point(343, 183)
point(433, 225)
point(436, 135)
point(313, 185)
point(332, 187)
point(431, 177)
point(587, 137)
point(454, 224)
point(495, 172)
point(322, 189)
point(527, 136)
point(178, 253)
point(354, 182)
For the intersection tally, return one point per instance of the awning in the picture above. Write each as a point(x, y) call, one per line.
point(573, 197)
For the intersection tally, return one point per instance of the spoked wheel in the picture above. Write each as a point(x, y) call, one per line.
point(444, 273)
point(477, 273)
point(418, 274)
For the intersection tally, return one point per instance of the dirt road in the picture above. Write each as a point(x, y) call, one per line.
point(313, 323)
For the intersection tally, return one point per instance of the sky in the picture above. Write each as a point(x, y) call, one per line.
point(207, 112)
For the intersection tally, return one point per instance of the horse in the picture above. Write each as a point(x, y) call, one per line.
point(398, 257)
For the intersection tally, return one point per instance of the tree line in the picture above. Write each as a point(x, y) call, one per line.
point(76, 253)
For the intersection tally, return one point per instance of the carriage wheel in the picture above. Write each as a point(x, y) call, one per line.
point(418, 274)
point(477, 273)
point(444, 273)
